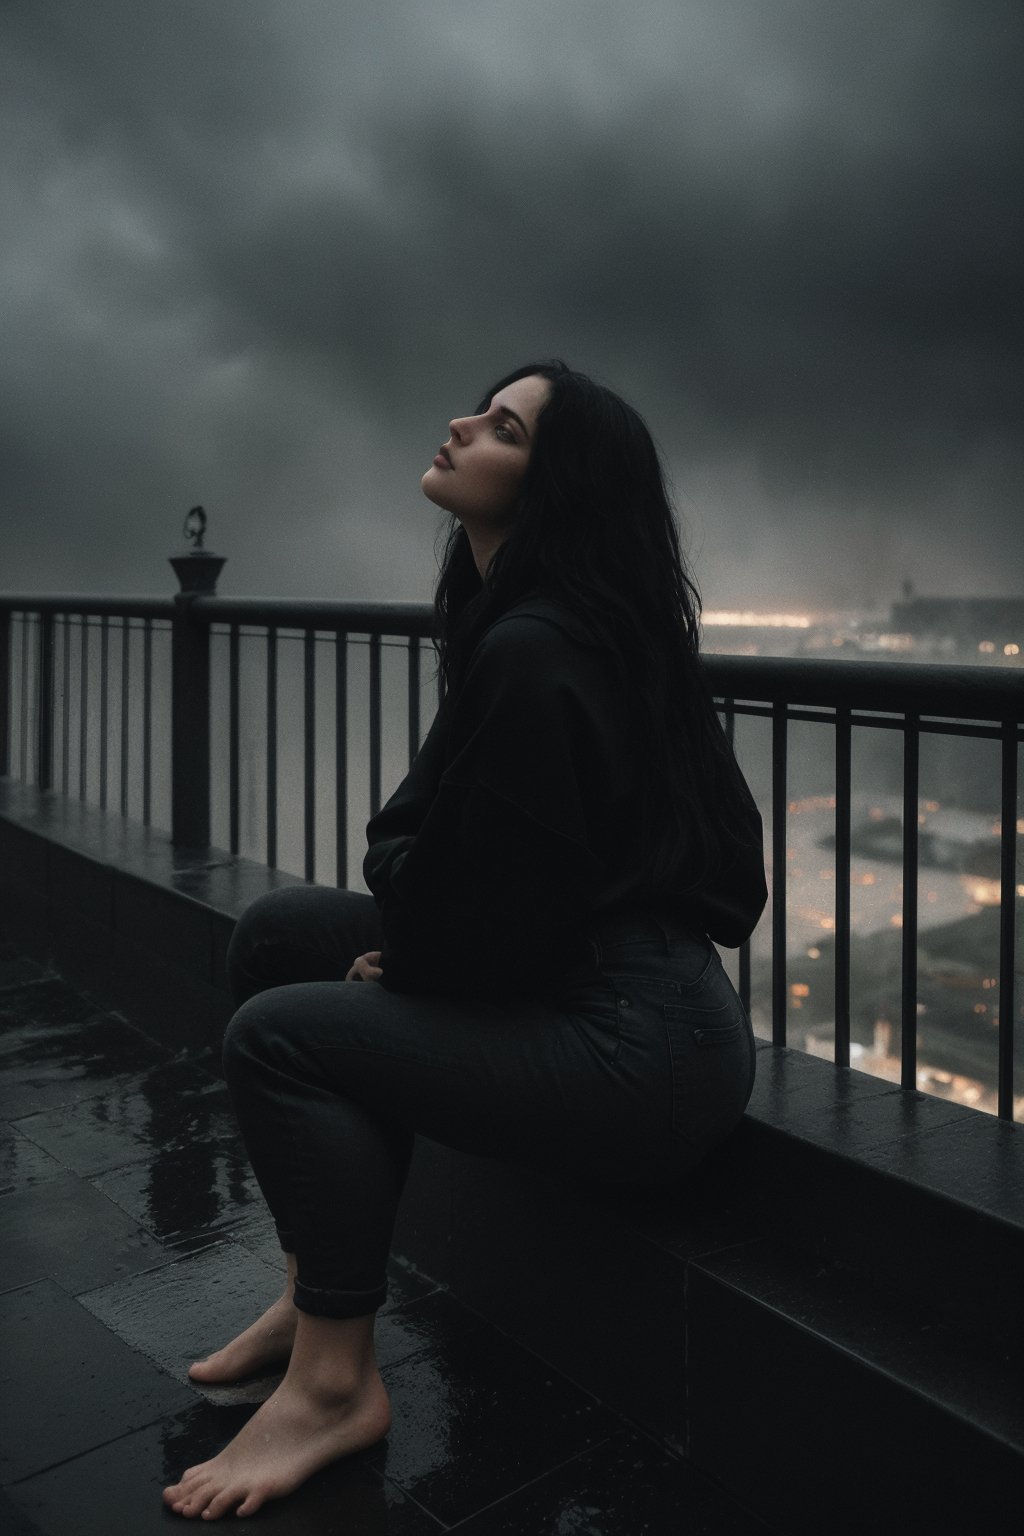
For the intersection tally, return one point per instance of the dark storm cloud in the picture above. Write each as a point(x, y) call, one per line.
point(261, 251)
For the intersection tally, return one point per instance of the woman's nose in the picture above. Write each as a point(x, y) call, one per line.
point(458, 427)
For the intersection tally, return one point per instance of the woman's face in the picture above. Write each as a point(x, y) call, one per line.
point(478, 472)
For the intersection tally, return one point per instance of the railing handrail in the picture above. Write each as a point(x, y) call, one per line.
point(913, 698)
point(946, 690)
point(933, 688)
point(94, 603)
point(364, 618)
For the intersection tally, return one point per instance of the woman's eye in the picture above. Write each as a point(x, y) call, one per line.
point(506, 434)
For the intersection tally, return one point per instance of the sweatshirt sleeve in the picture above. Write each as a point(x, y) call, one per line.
point(489, 889)
point(390, 833)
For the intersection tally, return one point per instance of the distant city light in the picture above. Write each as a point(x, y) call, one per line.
point(735, 618)
point(1011, 650)
point(895, 642)
point(986, 646)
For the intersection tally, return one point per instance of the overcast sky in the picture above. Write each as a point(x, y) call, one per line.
point(256, 253)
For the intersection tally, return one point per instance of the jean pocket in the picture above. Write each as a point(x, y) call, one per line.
point(695, 980)
point(710, 1052)
point(716, 1034)
point(593, 1011)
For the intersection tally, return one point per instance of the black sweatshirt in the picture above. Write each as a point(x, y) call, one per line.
point(517, 825)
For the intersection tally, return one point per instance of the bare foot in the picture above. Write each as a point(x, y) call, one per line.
point(267, 1343)
point(297, 1431)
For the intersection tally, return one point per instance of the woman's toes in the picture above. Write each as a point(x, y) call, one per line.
point(222, 1503)
point(187, 1497)
point(198, 1499)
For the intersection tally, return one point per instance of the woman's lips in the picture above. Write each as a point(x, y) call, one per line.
point(442, 460)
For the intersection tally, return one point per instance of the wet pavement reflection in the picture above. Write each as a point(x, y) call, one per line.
point(135, 1240)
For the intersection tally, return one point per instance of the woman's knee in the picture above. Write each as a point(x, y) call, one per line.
point(254, 1032)
point(263, 924)
point(269, 914)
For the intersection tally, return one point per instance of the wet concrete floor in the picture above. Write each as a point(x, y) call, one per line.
point(134, 1240)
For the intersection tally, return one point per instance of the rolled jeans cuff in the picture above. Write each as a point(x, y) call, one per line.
point(326, 1303)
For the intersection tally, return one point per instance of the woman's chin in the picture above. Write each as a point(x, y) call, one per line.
point(431, 488)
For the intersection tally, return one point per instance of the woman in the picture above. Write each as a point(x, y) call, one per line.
point(546, 884)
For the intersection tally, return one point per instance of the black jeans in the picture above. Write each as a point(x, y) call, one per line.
point(640, 1063)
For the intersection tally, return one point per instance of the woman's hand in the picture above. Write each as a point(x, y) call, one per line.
point(365, 967)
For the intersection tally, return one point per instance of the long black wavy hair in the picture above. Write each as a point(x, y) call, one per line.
point(594, 530)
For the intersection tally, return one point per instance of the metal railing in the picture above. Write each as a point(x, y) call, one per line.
point(37, 637)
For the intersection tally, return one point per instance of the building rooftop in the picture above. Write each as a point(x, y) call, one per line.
point(135, 1241)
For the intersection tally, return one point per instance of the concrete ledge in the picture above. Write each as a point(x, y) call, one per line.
point(124, 913)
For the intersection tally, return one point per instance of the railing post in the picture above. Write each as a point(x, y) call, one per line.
point(5, 692)
point(190, 691)
point(44, 723)
point(1007, 912)
point(844, 748)
point(908, 937)
point(190, 727)
point(780, 868)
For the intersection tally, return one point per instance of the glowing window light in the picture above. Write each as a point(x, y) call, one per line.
point(1011, 650)
point(800, 989)
point(733, 618)
point(986, 647)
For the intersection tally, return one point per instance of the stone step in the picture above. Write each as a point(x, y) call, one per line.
point(824, 1406)
point(921, 1197)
